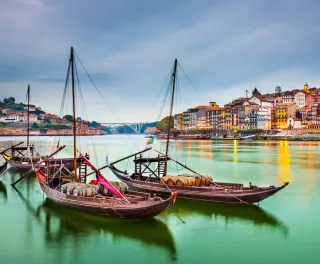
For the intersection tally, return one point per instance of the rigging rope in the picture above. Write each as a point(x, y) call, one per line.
point(165, 97)
point(188, 78)
point(94, 85)
point(84, 114)
point(273, 173)
point(162, 87)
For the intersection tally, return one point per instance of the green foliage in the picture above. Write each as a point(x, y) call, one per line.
point(47, 121)
point(37, 112)
point(69, 118)
point(10, 100)
point(249, 131)
point(54, 126)
point(35, 125)
point(94, 124)
point(107, 130)
point(163, 124)
point(10, 103)
point(146, 125)
point(3, 124)
point(126, 130)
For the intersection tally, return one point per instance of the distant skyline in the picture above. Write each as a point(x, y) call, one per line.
point(128, 48)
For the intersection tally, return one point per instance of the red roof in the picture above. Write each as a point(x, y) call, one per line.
point(204, 107)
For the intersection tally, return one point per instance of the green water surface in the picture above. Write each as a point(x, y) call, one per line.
point(284, 229)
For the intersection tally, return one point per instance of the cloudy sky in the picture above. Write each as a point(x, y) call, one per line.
point(128, 48)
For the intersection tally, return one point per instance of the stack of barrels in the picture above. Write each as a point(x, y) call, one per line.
point(90, 190)
point(120, 186)
point(186, 180)
point(79, 189)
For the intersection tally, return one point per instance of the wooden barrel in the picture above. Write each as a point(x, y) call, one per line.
point(191, 181)
point(64, 188)
point(208, 180)
point(120, 186)
point(181, 181)
point(89, 190)
point(70, 188)
point(163, 180)
point(171, 180)
point(101, 190)
point(197, 180)
point(77, 191)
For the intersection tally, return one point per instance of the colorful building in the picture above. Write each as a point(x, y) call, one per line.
point(282, 113)
point(216, 118)
point(178, 121)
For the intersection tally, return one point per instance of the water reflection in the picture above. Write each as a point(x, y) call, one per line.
point(3, 191)
point(235, 150)
point(229, 212)
point(284, 161)
point(62, 224)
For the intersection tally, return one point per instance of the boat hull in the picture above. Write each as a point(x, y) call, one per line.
point(98, 206)
point(68, 162)
point(202, 193)
point(186, 137)
point(3, 167)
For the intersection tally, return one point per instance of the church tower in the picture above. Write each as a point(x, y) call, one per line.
point(306, 88)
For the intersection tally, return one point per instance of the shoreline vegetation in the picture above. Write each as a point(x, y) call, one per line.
point(288, 137)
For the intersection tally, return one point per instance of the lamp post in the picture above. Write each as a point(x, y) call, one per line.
point(290, 126)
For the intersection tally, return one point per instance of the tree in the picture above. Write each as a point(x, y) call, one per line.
point(47, 121)
point(126, 130)
point(69, 118)
point(107, 130)
point(10, 100)
point(35, 125)
point(146, 125)
point(37, 112)
point(94, 124)
point(163, 124)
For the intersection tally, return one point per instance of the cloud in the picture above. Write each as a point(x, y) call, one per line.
point(128, 49)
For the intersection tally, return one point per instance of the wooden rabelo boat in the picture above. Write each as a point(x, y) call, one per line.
point(189, 186)
point(21, 160)
point(23, 157)
point(109, 202)
point(181, 136)
point(99, 197)
point(3, 167)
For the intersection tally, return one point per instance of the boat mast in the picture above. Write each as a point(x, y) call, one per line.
point(170, 115)
point(28, 117)
point(74, 117)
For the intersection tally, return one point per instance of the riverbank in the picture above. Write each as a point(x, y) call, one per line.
point(289, 138)
point(45, 228)
point(50, 135)
point(276, 138)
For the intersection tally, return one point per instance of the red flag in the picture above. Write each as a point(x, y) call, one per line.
point(103, 180)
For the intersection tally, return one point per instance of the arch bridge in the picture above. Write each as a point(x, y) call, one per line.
point(136, 126)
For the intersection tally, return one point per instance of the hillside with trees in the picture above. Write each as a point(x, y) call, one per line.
point(163, 124)
point(146, 125)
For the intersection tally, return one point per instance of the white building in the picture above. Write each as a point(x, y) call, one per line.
point(288, 97)
point(255, 100)
point(9, 118)
point(201, 122)
point(24, 118)
point(31, 107)
point(4, 110)
point(294, 122)
point(300, 99)
point(264, 118)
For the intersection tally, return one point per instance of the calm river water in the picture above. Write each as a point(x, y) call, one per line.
point(285, 229)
